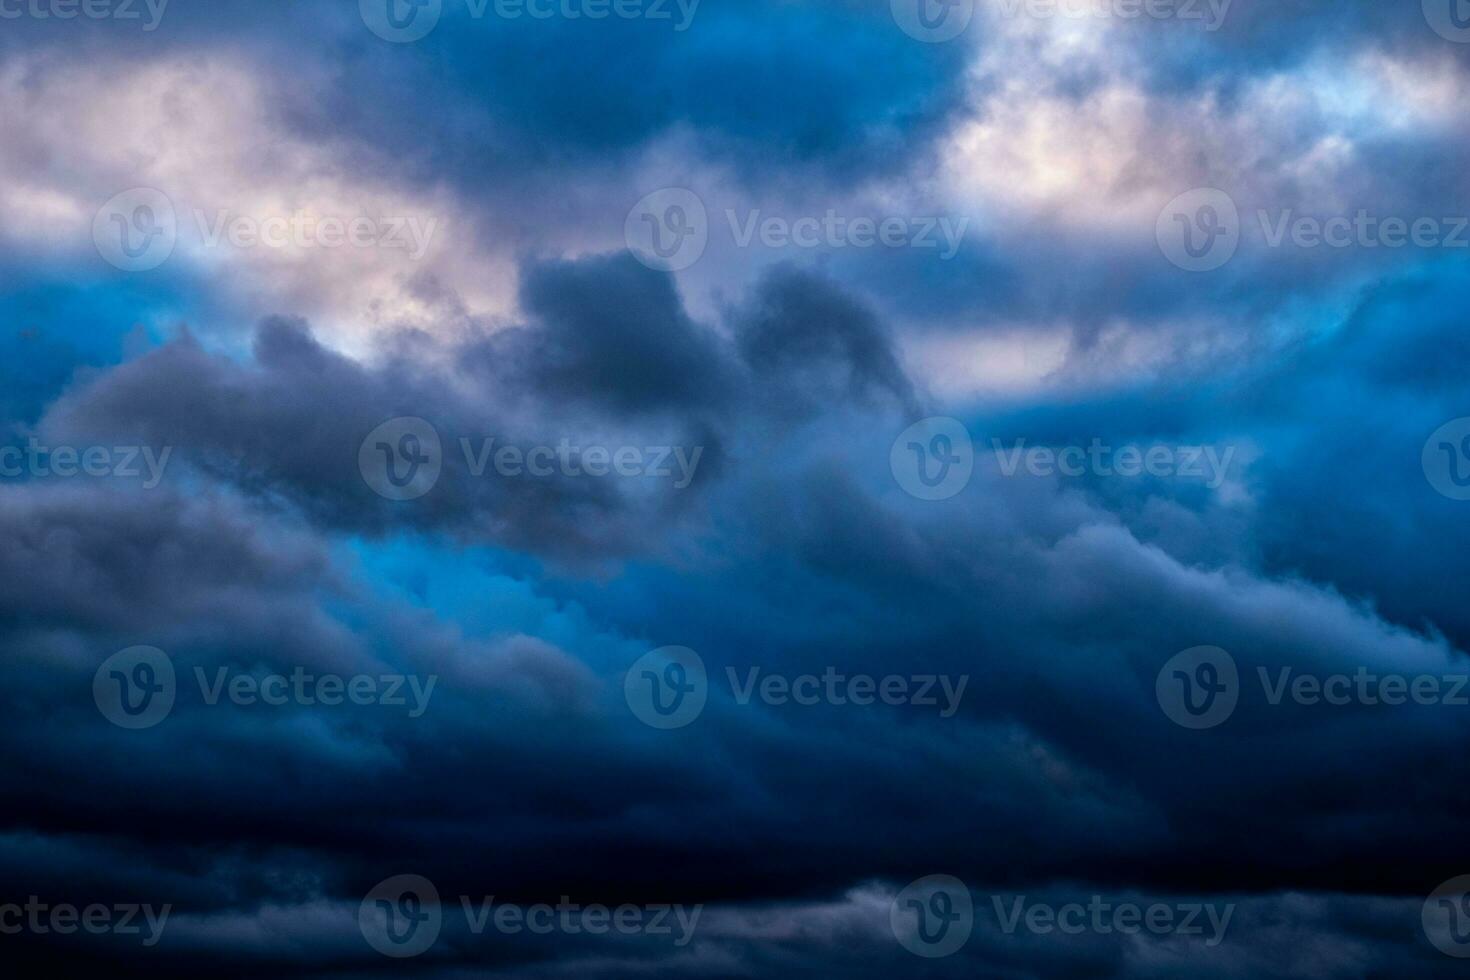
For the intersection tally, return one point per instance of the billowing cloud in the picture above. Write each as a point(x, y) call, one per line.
point(412, 530)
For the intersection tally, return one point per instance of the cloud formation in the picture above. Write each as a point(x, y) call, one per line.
point(350, 490)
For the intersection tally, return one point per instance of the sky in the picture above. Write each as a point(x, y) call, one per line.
point(735, 488)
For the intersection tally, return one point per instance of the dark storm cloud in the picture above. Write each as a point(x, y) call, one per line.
point(1060, 727)
point(1338, 414)
point(112, 558)
point(820, 344)
point(1015, 591)
point(291, 424)
point(608, 354)
point(611, 334)
point(1058, 775)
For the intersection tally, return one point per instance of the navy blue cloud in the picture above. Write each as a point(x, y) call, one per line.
point(1057, 775)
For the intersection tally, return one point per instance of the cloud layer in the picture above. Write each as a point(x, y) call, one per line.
point(725, 443)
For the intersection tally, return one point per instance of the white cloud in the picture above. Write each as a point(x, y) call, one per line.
point(203, 132)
